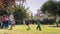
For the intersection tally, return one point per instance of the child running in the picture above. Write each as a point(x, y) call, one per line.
point(12, 21)
point(38, 25)
point(27, 23)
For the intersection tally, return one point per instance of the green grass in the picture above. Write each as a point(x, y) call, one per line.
point(21, 29)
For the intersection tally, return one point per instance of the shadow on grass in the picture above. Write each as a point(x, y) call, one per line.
point(55, 26)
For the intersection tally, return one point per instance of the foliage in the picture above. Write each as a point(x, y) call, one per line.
point(20, 14)
point(5, 3)
point(51, 7)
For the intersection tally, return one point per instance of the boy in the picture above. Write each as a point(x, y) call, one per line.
point(27, 23)
point(38, 25)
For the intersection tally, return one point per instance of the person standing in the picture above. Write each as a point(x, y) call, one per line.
point(4, 19)
point(12, 21)
point(7, 23)
point(38, 25)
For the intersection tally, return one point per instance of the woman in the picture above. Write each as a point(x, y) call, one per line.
point(12, 21)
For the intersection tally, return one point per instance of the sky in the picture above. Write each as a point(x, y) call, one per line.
point(34, 5)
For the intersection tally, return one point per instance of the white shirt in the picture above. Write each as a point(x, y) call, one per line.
point(11, 18)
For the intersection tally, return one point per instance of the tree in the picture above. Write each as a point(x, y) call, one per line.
point(4, 4)
point(20, 14)
point(8, 6)
point(51, 7)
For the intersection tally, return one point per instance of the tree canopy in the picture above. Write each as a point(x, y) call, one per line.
point(51, 7)
point(6, 6)
point(5, 3)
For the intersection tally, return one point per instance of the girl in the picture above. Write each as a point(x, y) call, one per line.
point(4, 19)
point(12, 21)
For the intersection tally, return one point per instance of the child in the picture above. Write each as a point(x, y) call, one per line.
point(4, 17)
point(27, 23)
point(12, 21)
point(6, 24)
point(38, 25)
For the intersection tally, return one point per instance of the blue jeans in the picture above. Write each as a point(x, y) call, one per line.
point(6, 24)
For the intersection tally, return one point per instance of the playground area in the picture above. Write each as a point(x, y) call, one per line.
point(21, 29)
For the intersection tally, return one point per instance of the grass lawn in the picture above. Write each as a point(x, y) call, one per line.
point(21, 29)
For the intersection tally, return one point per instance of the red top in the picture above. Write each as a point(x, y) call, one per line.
point(4, 18)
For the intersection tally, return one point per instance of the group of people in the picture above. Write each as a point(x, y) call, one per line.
point(5, 21)
point(38, 21)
